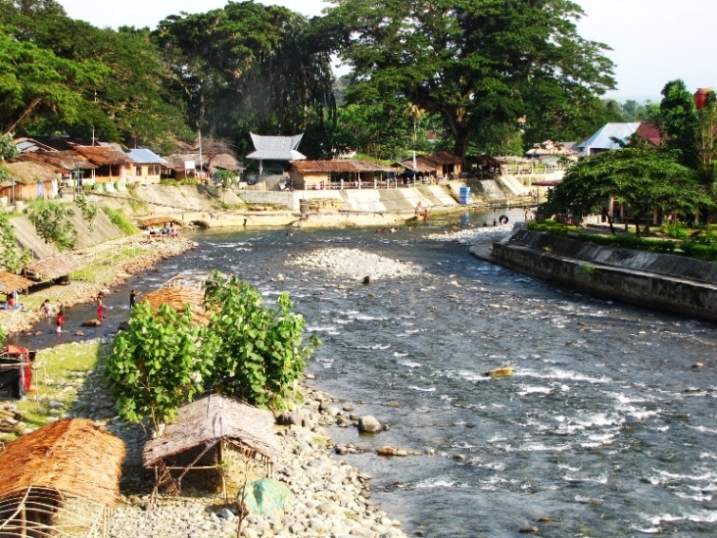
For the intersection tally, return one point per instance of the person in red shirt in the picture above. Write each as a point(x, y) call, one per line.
point(60, 319)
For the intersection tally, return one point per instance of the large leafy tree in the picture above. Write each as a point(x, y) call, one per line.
point(248, 67)
point(644, 180)
point(130, 102)
point(477, 63)
point(35, 83)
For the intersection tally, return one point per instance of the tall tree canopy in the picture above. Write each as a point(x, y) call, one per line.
point(248, 66)
point(477, 63)
point(62, 75)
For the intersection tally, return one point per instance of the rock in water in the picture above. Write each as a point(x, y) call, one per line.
point(504, 371)
point(369, 424)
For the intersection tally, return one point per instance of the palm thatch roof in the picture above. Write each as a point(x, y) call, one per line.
point(72, 456)
point(55, 266)
point(103, 156)
point(177, 298)
point(148, 222)
point(27, 172)
point(339, 166)
point(10, 282)
point(60, 161)
point(213, 419)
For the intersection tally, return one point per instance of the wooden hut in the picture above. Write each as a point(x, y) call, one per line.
point(213, 422)
point(61, 480)
point(350, 174)
point(10, 282)
point(54, 267)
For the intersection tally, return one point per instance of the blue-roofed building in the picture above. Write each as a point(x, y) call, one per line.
point(147, 166)
point(609, 136)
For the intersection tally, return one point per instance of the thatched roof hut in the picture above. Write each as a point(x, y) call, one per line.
point(149, 222)
point(211, 422)
point(73, 456)
point(64, 475)
point(10, 282)
point(55, 266)
point(177, 298)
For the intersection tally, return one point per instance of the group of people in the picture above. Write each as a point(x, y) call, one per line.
point(48, 310)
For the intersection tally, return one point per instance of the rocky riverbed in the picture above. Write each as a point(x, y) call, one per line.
point(355, 263)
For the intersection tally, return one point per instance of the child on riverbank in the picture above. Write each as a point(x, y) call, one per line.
point(100, 310)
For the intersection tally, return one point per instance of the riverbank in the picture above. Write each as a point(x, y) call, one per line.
point(142, 255)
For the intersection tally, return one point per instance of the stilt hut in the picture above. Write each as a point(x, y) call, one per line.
point(61, 480)
point(212, 423)
point(11, 283)
point(54, 268)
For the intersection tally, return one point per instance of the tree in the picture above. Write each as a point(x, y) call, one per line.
point(36, 83)
point(259, 352)
point(678, 122)
point(158, 364)
point(8, 149)
point(644, 180)
point(475, 63)
point(51, 220)
point(247, 67)
point(12, 256)
point(706, 141)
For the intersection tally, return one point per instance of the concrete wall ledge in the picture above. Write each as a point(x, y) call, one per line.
point(661, 281)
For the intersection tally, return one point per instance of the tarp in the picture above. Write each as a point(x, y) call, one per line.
point(265, 497)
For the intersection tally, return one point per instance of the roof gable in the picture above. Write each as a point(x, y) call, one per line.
point(276, 148)
point(610, 135)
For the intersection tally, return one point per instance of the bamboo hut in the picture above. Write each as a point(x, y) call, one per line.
point(213, 422)
point(54, 267)
point(10, 282)
point(61, 480)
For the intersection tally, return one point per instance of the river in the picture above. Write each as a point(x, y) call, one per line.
point(604, 429)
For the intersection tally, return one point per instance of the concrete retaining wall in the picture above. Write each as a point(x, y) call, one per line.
point(664, 282)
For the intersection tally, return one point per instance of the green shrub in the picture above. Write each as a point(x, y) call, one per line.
point(701, 252)
point(120, 220)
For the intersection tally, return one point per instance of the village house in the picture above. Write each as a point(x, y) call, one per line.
point(340, 174)
point(442, 164)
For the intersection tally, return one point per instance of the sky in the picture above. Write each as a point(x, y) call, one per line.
point(653, 41)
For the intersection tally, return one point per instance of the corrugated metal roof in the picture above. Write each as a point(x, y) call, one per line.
point(604, 138)
point(276, 148)
point(146, 156)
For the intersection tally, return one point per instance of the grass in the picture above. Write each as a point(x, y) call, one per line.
point(105, 265)
point(119, 219)
point(58, 374)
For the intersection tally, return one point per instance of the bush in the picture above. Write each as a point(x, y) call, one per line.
point(120, 220)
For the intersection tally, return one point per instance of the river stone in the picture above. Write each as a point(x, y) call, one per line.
point(369, 424)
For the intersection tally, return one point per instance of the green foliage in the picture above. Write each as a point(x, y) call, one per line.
point(12, 256)
point(51, 220)
point(120, 220)
point(679, 122)
point(158, 364)
point(643, 180)
point(630, 241)
point(89, 210)
point(259, 350)
point(476, 64)
point(701, 252)
point(8, 149)
point(676, 230)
